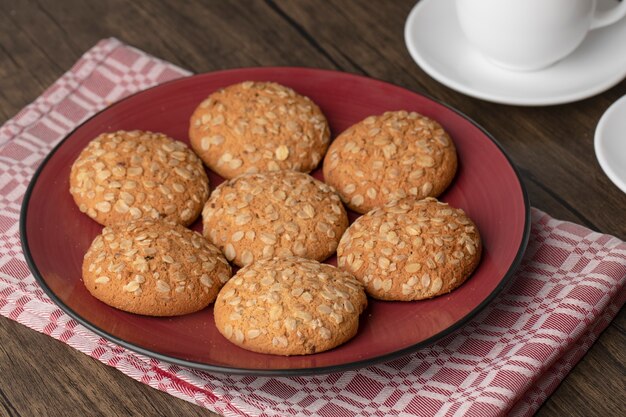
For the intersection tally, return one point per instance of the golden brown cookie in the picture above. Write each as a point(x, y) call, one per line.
point(289, 306)
point(410, 249)
point(258, 127)
point(154, 268)
point(283, 213)
point(388, 157)
point(125, 176)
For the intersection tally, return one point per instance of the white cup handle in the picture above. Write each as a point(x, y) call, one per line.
point(608, 17)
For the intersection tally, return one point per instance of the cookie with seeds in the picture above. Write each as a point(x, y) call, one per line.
point(258, 127)
point(155, 268)
point(283, 213)
point(289, 306)
point(130, 175)
point(388, 157)
point(411, 249)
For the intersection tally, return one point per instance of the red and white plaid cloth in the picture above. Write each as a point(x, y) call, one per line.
point(506, 361)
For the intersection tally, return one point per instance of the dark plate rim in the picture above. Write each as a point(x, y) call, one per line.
point(274, 372)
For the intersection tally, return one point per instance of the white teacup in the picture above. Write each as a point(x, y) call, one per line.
point(528, 35)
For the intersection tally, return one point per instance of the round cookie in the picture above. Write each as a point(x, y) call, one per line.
point(410, 249)
point(289, 306)
point(154, 268)
point(283, 213)
point(388, 157)
point(258, 127)
point(125, 176)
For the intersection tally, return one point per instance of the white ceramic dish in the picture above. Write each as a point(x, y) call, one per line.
point(610, 143)
point(435, 41)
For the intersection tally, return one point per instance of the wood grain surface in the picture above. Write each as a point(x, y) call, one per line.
point(552, 146)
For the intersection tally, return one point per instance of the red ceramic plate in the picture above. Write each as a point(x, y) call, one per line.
point(55, 235)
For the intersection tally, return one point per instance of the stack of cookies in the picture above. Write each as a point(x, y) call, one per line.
point(272, 219)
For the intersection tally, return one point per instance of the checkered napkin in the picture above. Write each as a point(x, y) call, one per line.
point(506, 361)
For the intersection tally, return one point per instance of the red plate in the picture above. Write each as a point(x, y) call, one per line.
point(55, 235)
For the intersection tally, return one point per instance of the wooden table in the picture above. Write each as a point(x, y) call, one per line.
point(552, 146)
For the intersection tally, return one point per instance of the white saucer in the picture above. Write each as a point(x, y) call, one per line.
point(610, 143)
point(435, 41)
